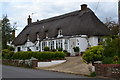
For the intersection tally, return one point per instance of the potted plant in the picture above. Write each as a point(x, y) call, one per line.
point(76, 50)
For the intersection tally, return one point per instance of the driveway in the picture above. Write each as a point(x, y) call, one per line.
point(18, 72)
point(73, 65)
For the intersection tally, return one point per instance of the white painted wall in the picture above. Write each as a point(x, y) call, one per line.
point(81, 42)
point(53, 62)
point(93, 41)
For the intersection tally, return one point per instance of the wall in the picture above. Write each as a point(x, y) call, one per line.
point(81, 42)
point(93, 41)
point(108, 70)
point(47, 64)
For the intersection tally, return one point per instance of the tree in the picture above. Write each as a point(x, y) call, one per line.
point(6, 31)
point(112, 25)
point(112, 46)
point(93, 54)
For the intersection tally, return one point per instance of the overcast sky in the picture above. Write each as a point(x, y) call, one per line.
point(18, 10)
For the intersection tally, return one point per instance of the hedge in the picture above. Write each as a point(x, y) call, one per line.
point(38, 55)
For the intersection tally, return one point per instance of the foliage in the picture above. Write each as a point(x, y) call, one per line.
point(107, 60)
point(53, 50)
point(111, 46)
point(38, 55)
point(76, 49)
point(112, 25)
point(60, 49)
point(93, 54)
point(7, 30)
point(7, 54)
point(46, 48)
point(11, 48)
point(93, 74)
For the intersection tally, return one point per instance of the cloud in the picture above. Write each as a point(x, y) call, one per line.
point(19, 10)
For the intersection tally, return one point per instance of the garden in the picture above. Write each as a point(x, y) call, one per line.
point(108, 52)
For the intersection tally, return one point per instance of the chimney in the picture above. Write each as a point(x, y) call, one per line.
point(37, 20)
point(29, 20)
point(83, 6)
point(13, 34)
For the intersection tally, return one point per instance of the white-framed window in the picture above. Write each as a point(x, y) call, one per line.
point(28, 37)
point(46, 34)
point(59, 43)
point(60, 32)
point(52, 45)
point(37, 48)
point(66, 44)
point(38, 37)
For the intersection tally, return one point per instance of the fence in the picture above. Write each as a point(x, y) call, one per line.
point(108, 70)
point(23, 63)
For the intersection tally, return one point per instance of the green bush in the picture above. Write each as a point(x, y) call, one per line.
point(112, 46)
point(60, 49)
point(11, 48)
point(7, 54)
point(53, 50)
point(76, 49)
point(93, 54)
point(93, 74)
point(46, 48)
point(38, 55)
point(107, 60)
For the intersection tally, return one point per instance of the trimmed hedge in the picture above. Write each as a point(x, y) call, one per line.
point(38, 55)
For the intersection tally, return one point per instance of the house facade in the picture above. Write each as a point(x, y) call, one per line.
point(80, 28)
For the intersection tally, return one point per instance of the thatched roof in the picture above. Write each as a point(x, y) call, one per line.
point(81, 22)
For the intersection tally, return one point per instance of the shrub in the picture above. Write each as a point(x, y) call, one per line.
point(53, 50)
point(107, 60)
point(11, 48)
point(38, 55)
point(60, 49)
point(93, 54)
point(93, 74)
point(7, 54)
point(111, 46)
point(76, 49)
point(46, 48)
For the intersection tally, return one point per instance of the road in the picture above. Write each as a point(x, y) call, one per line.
point(18, 72)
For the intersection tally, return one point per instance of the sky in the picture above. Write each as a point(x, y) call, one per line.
point(18, 10)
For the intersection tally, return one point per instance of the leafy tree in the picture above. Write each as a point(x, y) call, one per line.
point(93, 54)
point(112, 25)
point(0, 37)
point(7, 31)
point(112, 46)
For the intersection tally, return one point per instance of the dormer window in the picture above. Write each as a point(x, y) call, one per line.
point(59, 33)
point(37, 36)
point(28, 37)
point(46, 33)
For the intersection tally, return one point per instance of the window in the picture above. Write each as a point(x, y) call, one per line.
point(38, 36)
point(60, 32)
point(46, 34)
point(52, 45)
point(28, 37)
point(18, 49)
point(36, 48)
point(66, 44)
point(59, 44)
